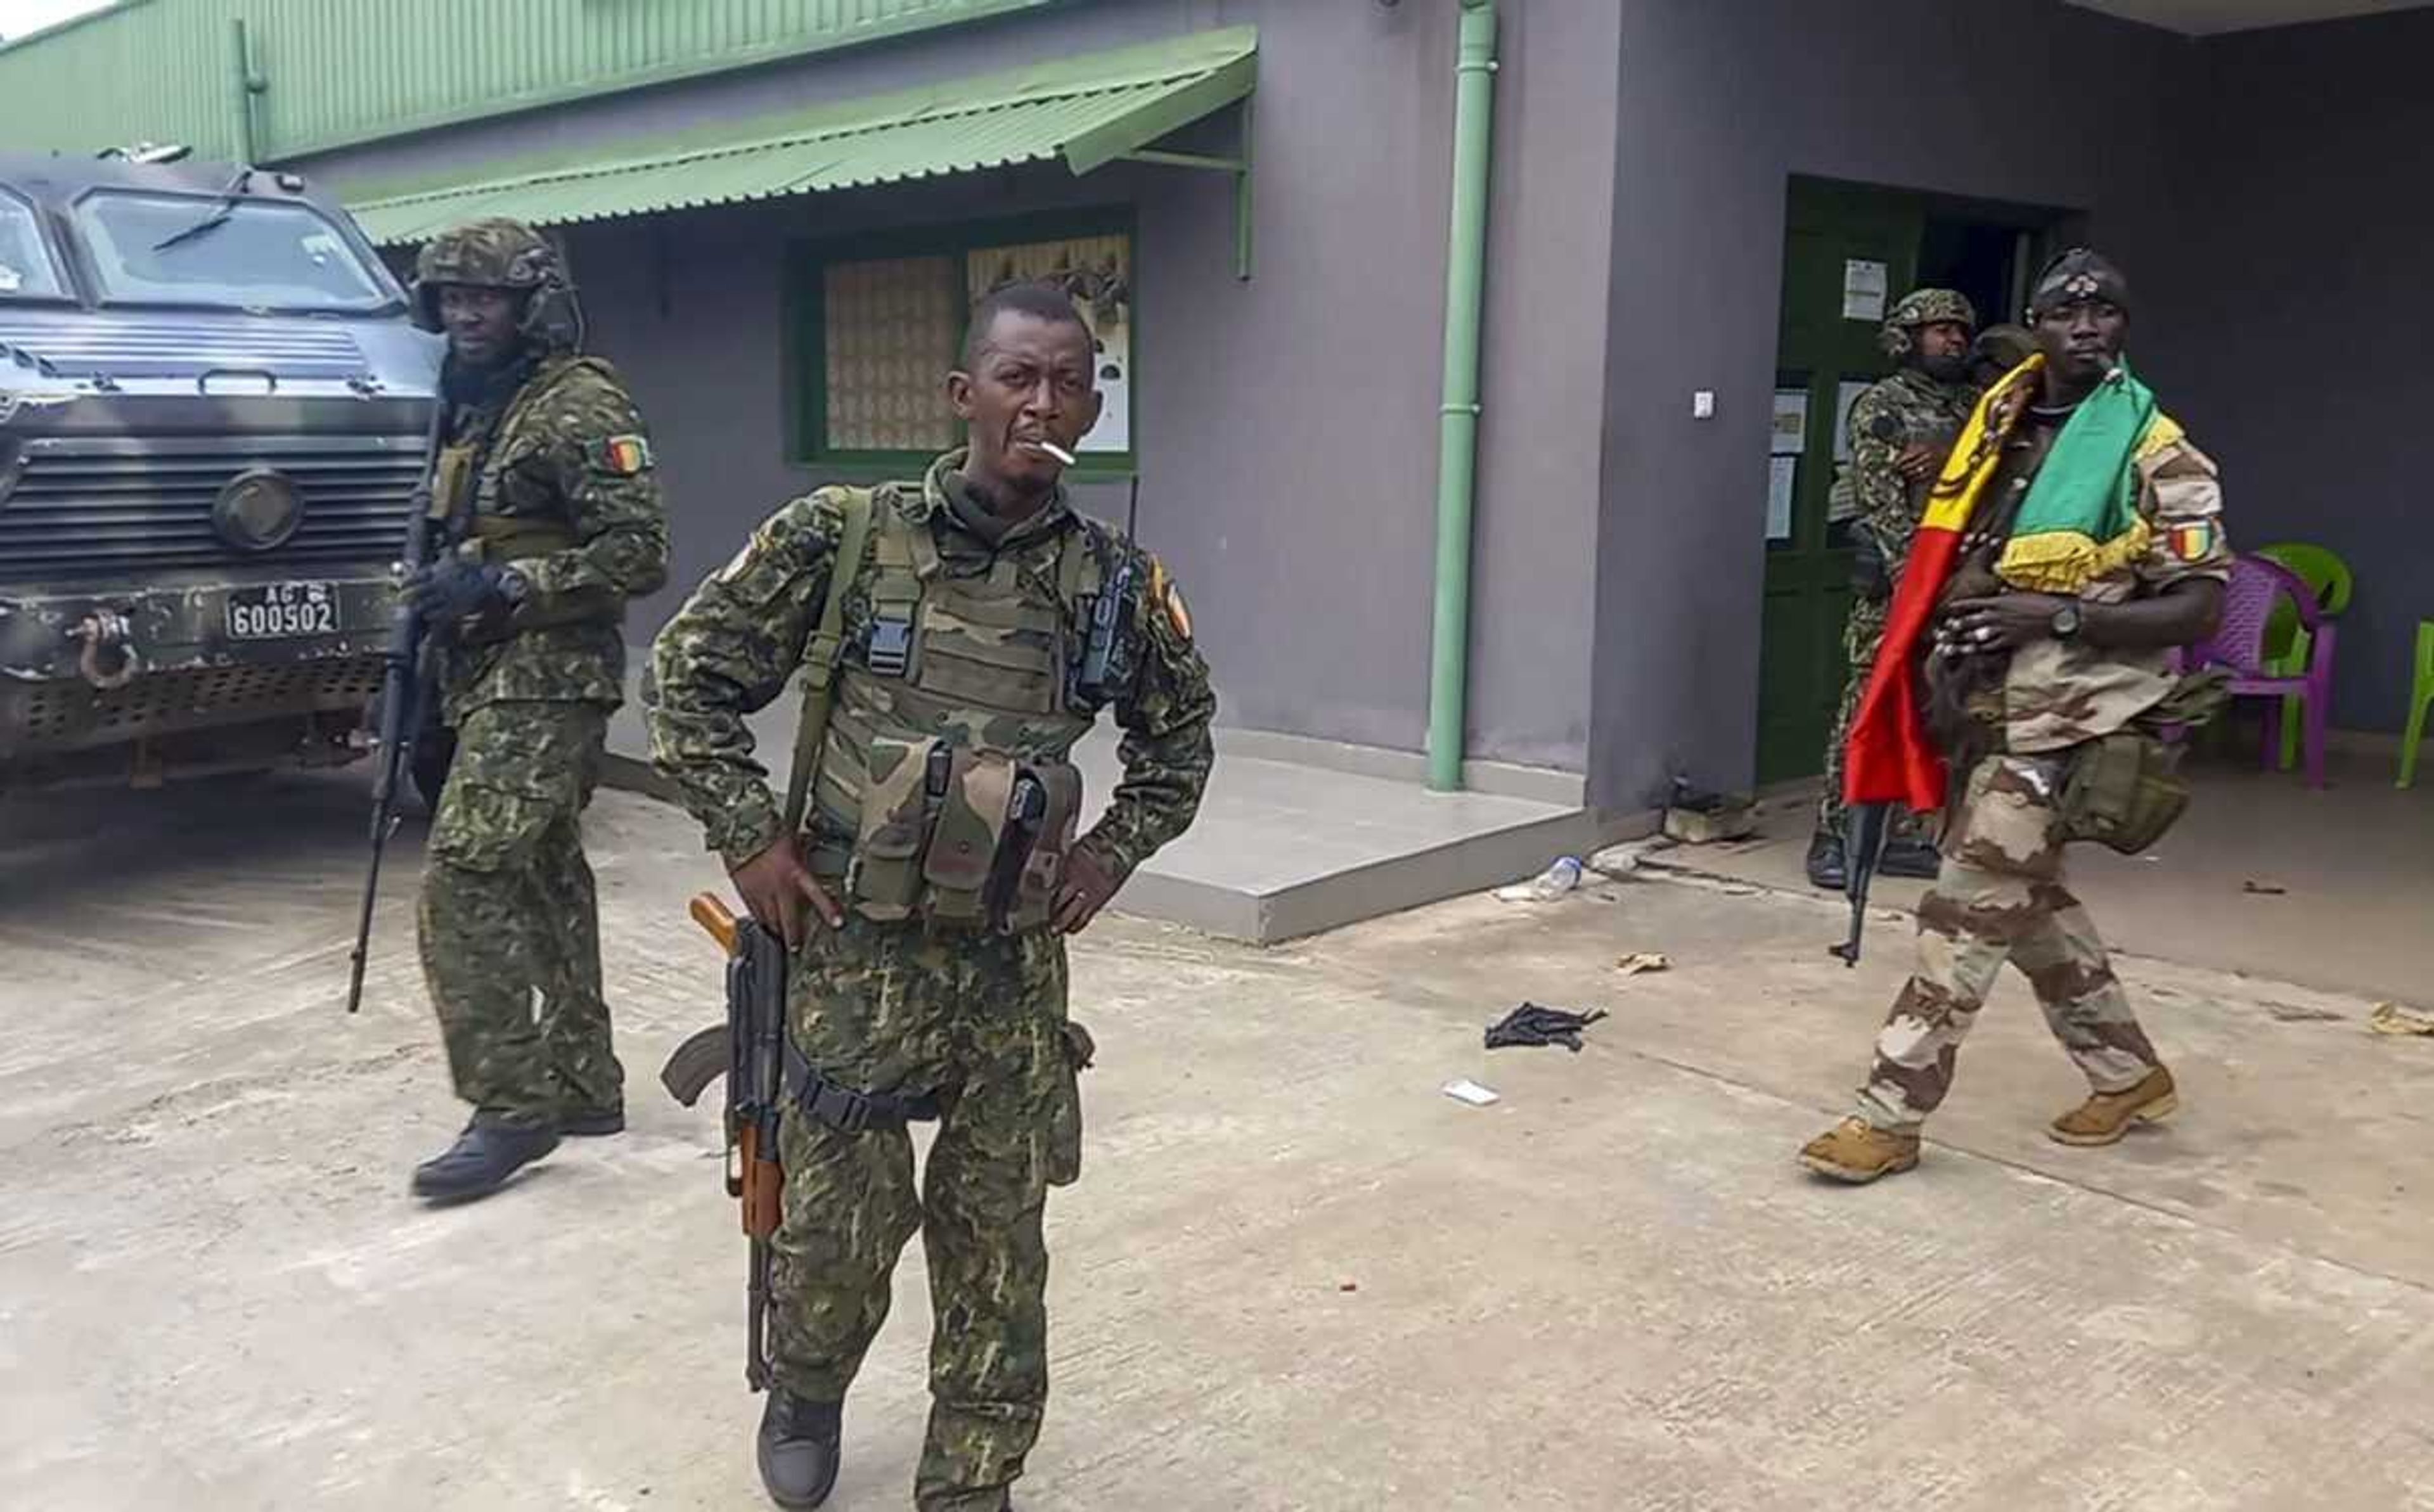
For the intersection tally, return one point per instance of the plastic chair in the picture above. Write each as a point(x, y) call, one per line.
point(2239, 646)
point(2421, 695)
point(2285, 640)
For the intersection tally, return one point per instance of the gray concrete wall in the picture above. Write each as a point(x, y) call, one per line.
point(1720, 105)
point(2313, 222)
point(1288, 426)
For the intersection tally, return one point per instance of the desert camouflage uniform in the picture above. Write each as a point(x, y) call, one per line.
point(2000, 895)
point(911, 1009)
point(1870, 488)
point(545, 467)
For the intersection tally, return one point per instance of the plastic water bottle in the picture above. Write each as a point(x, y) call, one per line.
point(1549, 885)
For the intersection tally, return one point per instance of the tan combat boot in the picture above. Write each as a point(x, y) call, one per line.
point(2103, 1118)
point(1857, 1151)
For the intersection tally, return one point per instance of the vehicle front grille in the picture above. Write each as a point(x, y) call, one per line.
point(179, 349)
point(59, 714)
point(84, 506)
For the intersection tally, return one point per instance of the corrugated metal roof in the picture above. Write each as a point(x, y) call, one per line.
point(1085, 110)
point(336, 71)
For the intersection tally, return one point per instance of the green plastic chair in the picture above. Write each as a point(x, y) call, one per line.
point(2285, 640)
point(2420, 694)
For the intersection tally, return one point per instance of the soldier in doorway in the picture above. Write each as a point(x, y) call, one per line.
point(1900, 430)
point(550, 516)
point(926, 909)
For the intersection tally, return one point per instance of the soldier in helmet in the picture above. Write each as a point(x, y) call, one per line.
point(1899, 431)
point(1998, 349)
point(550, 520)
point(928, 888)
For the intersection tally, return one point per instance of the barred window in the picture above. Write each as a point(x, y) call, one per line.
point(880, 324)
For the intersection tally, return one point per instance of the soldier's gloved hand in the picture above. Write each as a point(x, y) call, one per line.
point(453, 589)
point(1089, 883)
point(776, 887)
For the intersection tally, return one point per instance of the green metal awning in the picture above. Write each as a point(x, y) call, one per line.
point(1087, 111)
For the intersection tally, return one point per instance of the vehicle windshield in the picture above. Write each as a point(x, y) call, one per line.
point(27, 270)
point(265, 255)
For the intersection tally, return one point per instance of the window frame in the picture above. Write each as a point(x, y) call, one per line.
point(805, 330)
point(94, 238)
point(63, 288)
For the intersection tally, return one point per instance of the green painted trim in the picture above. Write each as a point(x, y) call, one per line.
point(805, 394)
point(1168, 113)
point(1142, 66)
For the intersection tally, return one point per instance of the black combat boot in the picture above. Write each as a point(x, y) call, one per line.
point(1825, 865)
point(484, 1156)
point(1906, 856)
point(589, 1122)
point(798, 1449)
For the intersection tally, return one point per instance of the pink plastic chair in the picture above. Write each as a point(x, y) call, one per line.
point(2239, 646)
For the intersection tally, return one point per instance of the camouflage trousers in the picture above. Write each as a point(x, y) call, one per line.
point(1999, 897)
point(1863, 633)
point(979, 1021)
point(509, 915)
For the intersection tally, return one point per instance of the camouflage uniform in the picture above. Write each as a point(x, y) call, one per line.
point(2000, 895)
point(545, 467)
point(1901, 411)
point(975, 1018)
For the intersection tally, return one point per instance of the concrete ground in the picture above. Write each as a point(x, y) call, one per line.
point(1295, 1274)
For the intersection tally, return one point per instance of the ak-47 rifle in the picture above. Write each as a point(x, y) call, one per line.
point(748, 1050)
point(405, 678)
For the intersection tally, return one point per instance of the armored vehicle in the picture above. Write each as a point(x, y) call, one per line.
point(212, 413)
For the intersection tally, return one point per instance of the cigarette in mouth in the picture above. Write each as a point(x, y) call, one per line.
point(1055, 451)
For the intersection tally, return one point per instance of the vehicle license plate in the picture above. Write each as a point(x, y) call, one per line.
point(282, 611)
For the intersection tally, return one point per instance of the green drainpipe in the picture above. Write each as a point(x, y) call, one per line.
point(1458, 423)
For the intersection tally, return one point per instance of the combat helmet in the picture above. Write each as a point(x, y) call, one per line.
point(499, 253)
point(1923, 307)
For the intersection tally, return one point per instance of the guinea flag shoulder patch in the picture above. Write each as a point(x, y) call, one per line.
point(2193, 541)
point(623, 455)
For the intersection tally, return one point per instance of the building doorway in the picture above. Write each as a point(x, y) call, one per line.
point(1851, 251)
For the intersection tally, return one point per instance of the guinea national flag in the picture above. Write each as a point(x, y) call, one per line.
point(1887, 757)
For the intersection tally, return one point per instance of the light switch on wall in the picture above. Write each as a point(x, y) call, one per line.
point(1703, 404)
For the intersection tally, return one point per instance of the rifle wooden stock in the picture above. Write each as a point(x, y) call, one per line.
point(714, 919)
point(761, 1179)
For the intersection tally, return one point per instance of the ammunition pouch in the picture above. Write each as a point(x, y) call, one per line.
point(884, 878)
point(2124, 790)
point(506, 538)
point(962, 837)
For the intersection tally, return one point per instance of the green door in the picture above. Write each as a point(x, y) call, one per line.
point(1848, 253)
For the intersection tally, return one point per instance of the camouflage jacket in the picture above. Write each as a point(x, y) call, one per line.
point(732, 648)
point(2058, 693)
point(1921, 410)
point(566, 454)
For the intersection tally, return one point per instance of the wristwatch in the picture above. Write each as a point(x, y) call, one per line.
point(2065, 620)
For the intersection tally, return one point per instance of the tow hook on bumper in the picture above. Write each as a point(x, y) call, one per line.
point(108, 660)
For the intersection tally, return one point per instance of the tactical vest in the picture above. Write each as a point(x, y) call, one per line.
point(465, 474)
point(946, 756)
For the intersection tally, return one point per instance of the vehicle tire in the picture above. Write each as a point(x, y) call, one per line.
point(433, 754)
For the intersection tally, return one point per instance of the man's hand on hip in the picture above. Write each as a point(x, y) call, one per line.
point(778, 888)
